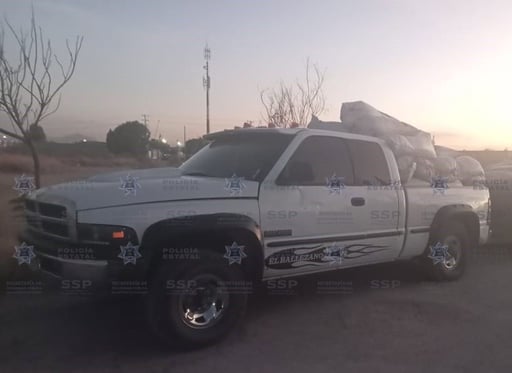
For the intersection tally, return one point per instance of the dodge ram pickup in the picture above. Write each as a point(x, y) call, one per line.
point(253, 205)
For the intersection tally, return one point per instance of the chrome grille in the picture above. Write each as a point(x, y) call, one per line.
point(58, 229)
point(47, 219)
point(51, 210)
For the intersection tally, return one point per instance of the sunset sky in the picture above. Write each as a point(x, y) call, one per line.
point(443, 66)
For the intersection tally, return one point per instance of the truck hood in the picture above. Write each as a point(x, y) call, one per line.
point(145, 186)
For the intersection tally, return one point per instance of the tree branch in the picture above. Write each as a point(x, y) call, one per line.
point(28, 87)
point(296, 102)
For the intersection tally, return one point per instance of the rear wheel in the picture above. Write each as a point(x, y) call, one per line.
point(445, 258)
point(190, 304)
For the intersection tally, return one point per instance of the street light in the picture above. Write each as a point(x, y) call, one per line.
point(164, 141)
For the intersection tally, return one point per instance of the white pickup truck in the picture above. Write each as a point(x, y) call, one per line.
point(254, 204)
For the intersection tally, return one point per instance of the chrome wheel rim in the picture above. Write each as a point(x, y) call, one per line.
point(204, 302)
point(454, 252)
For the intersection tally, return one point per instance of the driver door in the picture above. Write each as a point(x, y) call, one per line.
point(307, 206)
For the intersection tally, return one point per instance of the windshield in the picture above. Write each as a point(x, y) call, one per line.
point(250, 157)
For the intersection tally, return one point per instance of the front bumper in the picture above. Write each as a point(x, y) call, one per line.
point(65, 260)
point(55, 268)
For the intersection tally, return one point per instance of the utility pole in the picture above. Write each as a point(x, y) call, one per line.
point(184, 135)
point(206, 85)
point(145, 119)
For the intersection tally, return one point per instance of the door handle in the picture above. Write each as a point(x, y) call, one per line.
point(358, 201)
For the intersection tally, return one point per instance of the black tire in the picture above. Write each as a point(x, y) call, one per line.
point(453, 241)
point(175, 284)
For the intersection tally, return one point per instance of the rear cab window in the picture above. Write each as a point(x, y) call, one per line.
point(370, 164)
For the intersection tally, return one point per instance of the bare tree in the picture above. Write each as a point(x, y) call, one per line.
point(295, 103)
point(27, 83)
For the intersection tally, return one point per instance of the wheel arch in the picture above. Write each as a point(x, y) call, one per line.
point(205, 232)
point(461, 213)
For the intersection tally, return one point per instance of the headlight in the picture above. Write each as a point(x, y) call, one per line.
point(106, 234)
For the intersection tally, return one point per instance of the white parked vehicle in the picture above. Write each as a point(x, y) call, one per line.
point(254, 204)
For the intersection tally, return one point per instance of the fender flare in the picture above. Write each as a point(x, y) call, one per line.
point(196, 227)
point(460, 212)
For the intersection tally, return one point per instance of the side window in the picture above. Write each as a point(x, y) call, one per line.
point(370, 165)
point(317, 159)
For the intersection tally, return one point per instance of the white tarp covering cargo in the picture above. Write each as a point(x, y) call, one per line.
point(424, 169)
point(413, 148)
point(419, 145)
point(445, 166)
point(403, 138)
point(469, 170)
point(366, 120)
point(422, 144)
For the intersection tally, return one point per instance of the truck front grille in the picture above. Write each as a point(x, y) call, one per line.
point(57, 229)
point(52, 211)
point(49, 265)
point(47, 219)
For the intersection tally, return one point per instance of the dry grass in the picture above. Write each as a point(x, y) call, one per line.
point(99, 162)
point(22, 164)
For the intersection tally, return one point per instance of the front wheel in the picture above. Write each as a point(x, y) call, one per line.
point(445, 258)
point(191, 304)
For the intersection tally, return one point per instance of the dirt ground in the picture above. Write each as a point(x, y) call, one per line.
point(385, 318)
point(408, 325)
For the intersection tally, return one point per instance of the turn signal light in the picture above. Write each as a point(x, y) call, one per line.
point(118, 234)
